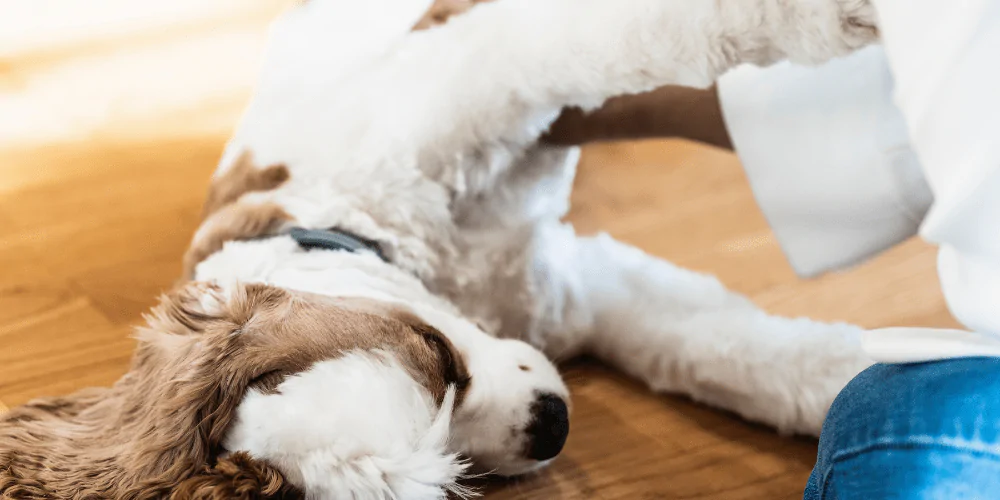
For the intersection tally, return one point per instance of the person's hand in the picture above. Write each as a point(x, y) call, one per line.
point(680, 112)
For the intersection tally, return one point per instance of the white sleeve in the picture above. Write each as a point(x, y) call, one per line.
point(946, 62)
point(827, 156)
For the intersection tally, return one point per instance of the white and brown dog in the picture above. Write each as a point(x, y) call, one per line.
point(382, 277)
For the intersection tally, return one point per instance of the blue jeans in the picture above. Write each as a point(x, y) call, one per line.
point(913, 432)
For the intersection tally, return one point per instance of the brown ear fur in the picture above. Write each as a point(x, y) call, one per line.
point(157, 426)
point(242, 177)
point(452, 364)
point(236, 221)
point(226, 218)
point(237, 477)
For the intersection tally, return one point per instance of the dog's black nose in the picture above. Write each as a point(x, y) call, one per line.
point(548, 428)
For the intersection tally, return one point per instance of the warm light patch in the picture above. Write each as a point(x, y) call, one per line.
point(70, 69)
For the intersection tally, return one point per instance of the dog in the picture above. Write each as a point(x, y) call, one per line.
point(382, 285)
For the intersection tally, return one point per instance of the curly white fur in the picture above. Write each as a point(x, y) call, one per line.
point(334, 432)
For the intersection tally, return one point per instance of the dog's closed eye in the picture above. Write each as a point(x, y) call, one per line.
point(454, 371)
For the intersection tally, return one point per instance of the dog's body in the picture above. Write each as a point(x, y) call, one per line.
point(426, 143)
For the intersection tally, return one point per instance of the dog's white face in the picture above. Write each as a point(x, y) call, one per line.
point(514, 415)
point(515, 418)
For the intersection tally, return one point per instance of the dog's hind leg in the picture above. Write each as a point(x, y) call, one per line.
point(683, 332)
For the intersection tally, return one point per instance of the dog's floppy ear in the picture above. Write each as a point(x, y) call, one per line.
point(237, 477)
point(453, 370)
point(193, 358)
point(160, 424)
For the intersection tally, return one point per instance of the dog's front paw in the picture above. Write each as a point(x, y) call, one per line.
point(814, 31)
point(859, 23)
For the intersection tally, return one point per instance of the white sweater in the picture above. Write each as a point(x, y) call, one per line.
point(851, 158)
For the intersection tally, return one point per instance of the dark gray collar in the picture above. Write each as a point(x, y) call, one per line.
point(334, 239)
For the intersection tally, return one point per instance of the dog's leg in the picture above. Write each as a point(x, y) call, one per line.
point(494, 78)
point(684, 332)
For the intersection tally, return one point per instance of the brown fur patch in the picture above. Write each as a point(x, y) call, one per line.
point(238, 221)
point(442, 10)
point(242, 177)
point(225, 218)
point(238, 477)
point(158, 431)
point(454, 371)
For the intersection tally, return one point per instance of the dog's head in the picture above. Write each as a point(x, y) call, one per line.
point(254, 391)
point(499, 403)
point(206, 356)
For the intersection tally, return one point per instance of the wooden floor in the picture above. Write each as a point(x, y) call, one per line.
point(109, 131)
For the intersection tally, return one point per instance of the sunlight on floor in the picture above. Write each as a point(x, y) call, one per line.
point(71, 69)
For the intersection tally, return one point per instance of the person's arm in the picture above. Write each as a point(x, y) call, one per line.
point(825, 150)
point(828, 157)
point(668, 112)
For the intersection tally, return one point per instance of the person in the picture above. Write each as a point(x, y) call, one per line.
point(846, 160)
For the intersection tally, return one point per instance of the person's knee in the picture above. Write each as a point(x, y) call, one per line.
point(946, 411)
point(924, 398)
point(945, 401)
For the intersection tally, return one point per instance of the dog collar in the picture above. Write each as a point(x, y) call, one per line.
point(334, 239)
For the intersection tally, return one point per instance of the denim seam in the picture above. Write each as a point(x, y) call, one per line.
point(918, 442)
point(912, 442)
